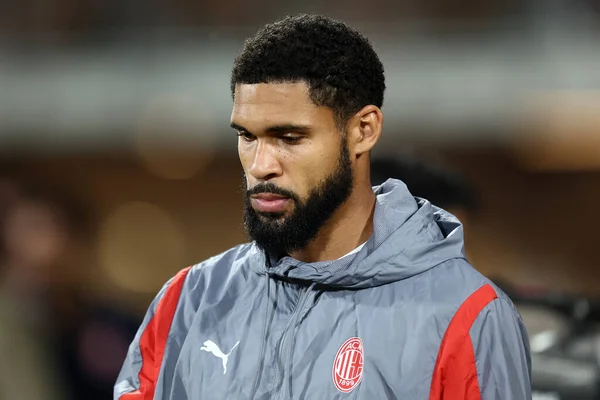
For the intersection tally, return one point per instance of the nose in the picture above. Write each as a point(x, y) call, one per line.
point(265, 163)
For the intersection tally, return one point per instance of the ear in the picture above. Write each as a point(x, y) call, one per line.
point(365, 129)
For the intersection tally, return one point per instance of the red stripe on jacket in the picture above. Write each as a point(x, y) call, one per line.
point(154, 339)
point(455, 372)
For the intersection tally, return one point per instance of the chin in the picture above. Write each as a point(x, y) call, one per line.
point(269, 216)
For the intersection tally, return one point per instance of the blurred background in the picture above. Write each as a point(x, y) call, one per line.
point(118, 168)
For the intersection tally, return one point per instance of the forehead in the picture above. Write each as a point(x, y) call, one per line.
point(258, 105)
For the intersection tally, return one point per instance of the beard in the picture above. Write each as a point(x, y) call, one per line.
point(278, 234)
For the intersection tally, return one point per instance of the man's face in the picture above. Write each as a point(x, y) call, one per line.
point(297, 167)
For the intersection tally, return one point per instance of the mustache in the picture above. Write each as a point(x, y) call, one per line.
point(269, 187)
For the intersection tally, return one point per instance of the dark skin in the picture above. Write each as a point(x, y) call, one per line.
point(284, 138)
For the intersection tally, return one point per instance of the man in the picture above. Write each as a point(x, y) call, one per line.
point(344, 292)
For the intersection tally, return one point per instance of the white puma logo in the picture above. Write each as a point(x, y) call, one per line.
point(211, 347)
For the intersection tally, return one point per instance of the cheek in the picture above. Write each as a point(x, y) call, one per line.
point(244, 157)
point(325, 163)
point(308, 177)
point(310, 168)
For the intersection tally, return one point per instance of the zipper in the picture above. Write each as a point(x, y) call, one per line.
point(291, 327)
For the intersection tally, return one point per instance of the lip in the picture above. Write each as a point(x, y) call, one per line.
point(270, 203)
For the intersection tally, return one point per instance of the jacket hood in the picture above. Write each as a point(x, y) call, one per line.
point(410, 236)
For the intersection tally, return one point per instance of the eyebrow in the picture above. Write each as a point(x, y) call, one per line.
point(276, 128)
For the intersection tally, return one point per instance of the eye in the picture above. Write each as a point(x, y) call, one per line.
point(291, 139)
point(246, 136)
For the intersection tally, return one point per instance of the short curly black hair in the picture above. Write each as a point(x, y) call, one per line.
point(339, 65)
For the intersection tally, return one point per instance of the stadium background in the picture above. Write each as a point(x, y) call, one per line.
point(122, 108)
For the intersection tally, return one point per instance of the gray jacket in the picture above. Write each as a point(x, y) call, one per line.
point(406, 317)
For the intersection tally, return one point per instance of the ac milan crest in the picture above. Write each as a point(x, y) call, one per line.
point(348, 365)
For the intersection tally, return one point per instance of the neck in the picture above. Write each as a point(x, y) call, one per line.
point(349, 227)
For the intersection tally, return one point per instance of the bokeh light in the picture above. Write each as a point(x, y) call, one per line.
point(138, 242)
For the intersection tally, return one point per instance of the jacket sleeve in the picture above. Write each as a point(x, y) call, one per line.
point(141, 369)
point(501, 348)
point(484, 354)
